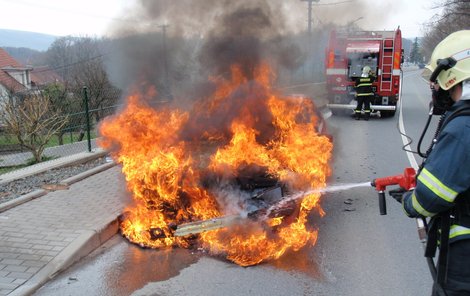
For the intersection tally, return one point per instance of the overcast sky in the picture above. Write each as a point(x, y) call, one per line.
point(94, 17)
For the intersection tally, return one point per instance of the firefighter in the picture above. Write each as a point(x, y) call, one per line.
point(364, 93)
point(443, 184)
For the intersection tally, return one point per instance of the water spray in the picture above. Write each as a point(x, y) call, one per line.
point(407, 181)
point(300, 195)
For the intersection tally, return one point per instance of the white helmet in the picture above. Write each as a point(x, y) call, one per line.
point(451, 58)
point(366, 70)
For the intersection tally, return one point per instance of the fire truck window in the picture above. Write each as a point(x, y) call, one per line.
point(358, 60)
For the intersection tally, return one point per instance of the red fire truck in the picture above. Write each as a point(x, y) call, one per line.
point(349, 52)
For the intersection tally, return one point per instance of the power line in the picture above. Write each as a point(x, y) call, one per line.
point(74, 63)
point(164, 28)
point(310, 10)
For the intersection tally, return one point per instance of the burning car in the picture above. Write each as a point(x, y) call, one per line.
point(227, 174)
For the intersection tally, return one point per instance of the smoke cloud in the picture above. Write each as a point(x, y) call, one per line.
point(176, 45)
point(201, 38)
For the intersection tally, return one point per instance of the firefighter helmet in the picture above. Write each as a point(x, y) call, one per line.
point(450, 60)
point(366, 70)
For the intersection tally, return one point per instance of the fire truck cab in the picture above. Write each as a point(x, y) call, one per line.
point(349, 52)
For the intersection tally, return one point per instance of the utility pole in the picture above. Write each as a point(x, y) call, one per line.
point(310, 4)
point(167, 89)
point(310, 41)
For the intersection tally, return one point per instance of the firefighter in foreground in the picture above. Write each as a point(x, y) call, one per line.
point(443, 184)
point(364, 93)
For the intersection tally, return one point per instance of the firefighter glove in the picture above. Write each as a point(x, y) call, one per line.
point(397, 194)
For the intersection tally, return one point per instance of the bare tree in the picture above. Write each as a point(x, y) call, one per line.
point(81, 62)
point(91, 72)
point(61, 100)
point(31, 120)
point(455, 16)
point(60, 56)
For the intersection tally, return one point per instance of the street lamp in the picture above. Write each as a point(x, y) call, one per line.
point(358, 19)
point(350, 23)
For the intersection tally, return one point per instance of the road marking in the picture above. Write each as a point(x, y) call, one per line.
point(411, 158)
point(401, 127)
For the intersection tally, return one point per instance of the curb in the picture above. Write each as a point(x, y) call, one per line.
point(78, 249)
point(86, 174)
point(22, 199)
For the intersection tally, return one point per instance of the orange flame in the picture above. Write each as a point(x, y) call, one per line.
point(165, 163)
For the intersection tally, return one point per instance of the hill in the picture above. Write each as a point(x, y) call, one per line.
point(32, 40)
point(27, 56)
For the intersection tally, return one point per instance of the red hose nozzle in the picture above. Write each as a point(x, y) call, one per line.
point(407, 180)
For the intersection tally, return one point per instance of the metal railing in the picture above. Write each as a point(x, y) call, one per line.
point(77, 135)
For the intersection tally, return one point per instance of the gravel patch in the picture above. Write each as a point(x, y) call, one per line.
point(17, 188)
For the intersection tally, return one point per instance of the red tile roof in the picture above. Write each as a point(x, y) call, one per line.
point(6, 61)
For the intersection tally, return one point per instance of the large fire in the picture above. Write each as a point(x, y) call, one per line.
point(169, 155)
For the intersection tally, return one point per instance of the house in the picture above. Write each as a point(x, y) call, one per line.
point(16, 78)
point(13, 76)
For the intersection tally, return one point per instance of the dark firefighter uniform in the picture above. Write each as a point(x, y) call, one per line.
point(444, 184)
point(364, 95)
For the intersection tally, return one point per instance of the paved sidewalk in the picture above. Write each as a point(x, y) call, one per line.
point(47, 234)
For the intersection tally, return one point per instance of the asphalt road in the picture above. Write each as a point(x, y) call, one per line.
point(359, 252)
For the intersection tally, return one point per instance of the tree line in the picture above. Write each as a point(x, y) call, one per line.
point(455, 16)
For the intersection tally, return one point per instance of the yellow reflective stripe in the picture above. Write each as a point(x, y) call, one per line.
point(419, 208)
point(437, 186)
point(457, 230)
point(364, 84)
point(368, 94)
